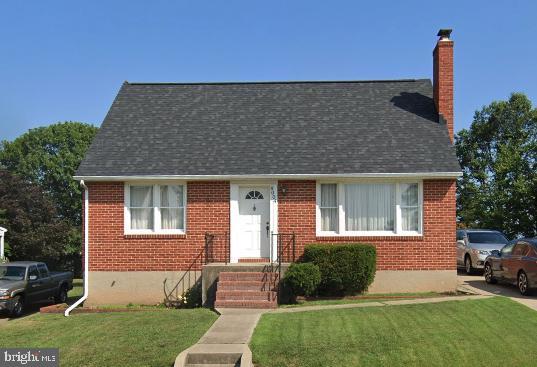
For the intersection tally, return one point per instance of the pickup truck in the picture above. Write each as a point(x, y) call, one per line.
point(26, 282)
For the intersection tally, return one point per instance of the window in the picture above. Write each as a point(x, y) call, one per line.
point(486, 237)
point(521, 249)
point(155, 208)
point(171, 207)
point(409, 207)
point(460, 235)
point(369, 208)
point(141, 207)
point(507, 249)
point(33, 272)
point(43, 273)
point(254, 195)
point(329, 207)
point(12, 272)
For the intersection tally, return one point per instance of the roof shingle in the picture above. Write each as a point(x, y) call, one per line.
point(270, 129)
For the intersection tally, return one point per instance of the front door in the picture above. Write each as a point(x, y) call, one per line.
point(254, 222)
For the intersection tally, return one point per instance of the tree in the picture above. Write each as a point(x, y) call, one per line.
point(35, 230)
point(498, 156)
point(49, 156)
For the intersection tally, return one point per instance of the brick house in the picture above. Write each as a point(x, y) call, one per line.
point(182, 177)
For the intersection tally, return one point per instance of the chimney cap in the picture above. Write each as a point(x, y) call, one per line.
point(444, 33)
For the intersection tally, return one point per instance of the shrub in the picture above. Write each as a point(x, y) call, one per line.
point(192, 297)
point(345, 268)
point(302, 279)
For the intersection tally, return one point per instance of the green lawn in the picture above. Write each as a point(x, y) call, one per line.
point(486, 332)
point(368, 298)
point(111, 339)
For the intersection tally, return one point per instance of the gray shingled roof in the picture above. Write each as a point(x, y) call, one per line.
point(271, 128)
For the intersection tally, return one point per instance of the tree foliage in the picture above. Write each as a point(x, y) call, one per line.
point(498, 155)
point(36, 231)
point(49, 156)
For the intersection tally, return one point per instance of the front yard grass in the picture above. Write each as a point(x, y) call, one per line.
point(485, 332)
point(111, 339)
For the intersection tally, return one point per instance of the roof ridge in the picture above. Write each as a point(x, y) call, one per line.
point(281, 82)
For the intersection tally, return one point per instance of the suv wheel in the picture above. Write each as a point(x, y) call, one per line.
point(523, 284)
point(468, 265)
point(489, 277)
point(18, 307)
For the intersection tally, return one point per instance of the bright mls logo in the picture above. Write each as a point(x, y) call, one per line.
point(12, 357)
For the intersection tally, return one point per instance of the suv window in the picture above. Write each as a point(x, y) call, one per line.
point(460, 235)
point(486, 237)
point(521, 249)
point(33, 271)
point(506, 250)
point(43, 273)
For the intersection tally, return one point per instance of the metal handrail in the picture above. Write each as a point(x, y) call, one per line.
point(211, 241)
point(171, 298)
point(281, 247)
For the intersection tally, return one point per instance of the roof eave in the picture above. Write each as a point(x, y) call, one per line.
point(420, 175)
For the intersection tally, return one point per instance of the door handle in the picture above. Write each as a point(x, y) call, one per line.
point(267, 228)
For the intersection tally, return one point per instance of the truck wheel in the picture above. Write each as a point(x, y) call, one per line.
point(18, 307)
point(61, 297)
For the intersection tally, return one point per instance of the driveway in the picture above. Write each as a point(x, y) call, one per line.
point(477, 284)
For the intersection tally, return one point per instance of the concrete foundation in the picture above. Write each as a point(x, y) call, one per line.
point(139, 287)
point(147, 287)
point(410, 281)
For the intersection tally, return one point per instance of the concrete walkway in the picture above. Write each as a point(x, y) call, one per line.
point(227, 338)
point(380, 303)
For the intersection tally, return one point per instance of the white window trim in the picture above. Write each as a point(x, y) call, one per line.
point(156, 208)
point(341, 232)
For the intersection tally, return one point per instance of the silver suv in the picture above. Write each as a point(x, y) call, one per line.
point(474, 245)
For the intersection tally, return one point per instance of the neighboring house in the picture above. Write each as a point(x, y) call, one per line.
point(330, 161)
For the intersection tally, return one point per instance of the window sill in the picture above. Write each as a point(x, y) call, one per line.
point(155, 235)
point(369, 236)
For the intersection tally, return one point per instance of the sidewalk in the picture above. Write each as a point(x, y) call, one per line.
point(381, 303)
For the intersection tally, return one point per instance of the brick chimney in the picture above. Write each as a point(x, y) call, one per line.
point(443, 78)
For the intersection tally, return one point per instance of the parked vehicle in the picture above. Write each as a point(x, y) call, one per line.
point(26, 282)
point(474, 245)
point(515, 263)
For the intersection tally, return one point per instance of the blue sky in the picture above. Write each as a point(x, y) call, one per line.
point(65, 60)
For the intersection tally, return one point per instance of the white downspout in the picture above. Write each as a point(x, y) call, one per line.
point(86, 251)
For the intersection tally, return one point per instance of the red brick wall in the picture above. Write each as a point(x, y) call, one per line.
point(435, 250)
point(112, 250)
point(443, 81)
point(208, 210)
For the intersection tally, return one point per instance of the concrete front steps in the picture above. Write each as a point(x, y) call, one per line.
point(247, 290)
point(215, 355)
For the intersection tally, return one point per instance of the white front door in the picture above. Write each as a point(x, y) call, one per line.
point(254, 219)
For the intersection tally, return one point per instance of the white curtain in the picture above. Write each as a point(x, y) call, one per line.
point(171, 207)
point(369, 207)
point(141, 207)
point(409, 207)
point(329, 207)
